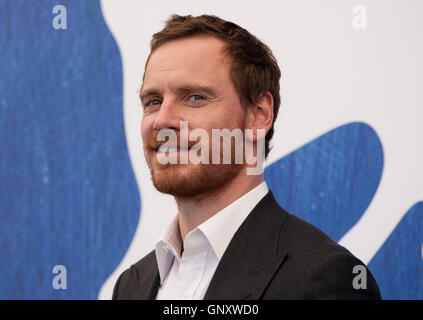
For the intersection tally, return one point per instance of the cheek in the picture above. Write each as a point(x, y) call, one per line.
point(229, 120)
point(146, 128)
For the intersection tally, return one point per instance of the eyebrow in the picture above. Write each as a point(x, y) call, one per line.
point(145, 93)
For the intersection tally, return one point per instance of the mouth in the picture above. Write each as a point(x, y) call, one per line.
point(172, 154)
point(166, 149)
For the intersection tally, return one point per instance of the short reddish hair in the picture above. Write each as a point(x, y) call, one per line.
point(254, 69)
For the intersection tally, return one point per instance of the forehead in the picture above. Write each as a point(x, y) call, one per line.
point(197, 59)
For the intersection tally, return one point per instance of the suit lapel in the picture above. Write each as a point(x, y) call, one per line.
point(146, 281)
point(234, 282)
point(151, 286)
point(252, 257)
point(247, 266)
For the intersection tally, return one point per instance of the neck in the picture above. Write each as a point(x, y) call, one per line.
point(195, 210)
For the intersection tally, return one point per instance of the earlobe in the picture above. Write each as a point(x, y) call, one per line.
point(255, 134)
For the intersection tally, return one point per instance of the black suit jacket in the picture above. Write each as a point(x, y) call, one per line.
point(273, 255)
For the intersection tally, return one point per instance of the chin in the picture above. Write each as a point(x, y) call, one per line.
point(185, 181)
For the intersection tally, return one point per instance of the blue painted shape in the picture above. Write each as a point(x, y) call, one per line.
point(68, 195)
point(398, 265)
point(330, 181)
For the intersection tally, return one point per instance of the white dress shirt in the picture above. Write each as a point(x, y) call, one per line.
point(188, 276)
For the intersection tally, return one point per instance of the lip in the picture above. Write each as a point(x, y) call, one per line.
point(172, 149)
point(176, 154)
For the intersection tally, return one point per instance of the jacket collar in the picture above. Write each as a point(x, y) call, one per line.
point(248, 264)
point(252, 257)
point(217, 231)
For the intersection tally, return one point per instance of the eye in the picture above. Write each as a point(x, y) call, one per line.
point(196, 97)
point(152, 103)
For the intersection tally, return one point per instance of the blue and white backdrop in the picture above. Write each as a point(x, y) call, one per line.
point(76, 198)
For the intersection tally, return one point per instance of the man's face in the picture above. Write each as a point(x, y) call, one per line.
point(189, 80)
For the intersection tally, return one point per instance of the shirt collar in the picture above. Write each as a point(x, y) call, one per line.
point(218, 230)
point(168, 247)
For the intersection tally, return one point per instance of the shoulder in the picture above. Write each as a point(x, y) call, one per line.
point(317, 267)
point(130, 278)
point(271, 221)
point(304, 237)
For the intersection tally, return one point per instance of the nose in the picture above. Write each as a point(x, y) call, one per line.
point(167, 117)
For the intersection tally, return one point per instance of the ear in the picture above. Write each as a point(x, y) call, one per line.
point(260, 116)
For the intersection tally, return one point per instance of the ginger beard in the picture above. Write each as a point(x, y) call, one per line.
point(192, 180)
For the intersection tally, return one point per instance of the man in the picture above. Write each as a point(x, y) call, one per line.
point(230, 239)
